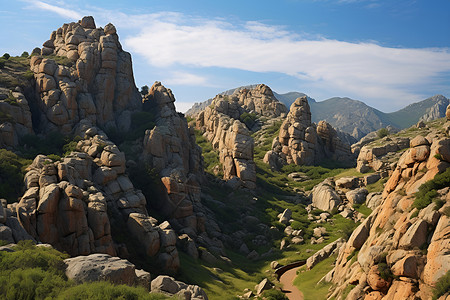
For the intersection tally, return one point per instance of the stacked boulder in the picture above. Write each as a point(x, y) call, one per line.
point(231, 138)
point(72, 203)
point(171, 150)
point(260, 100)
point(389, 245)
point(301, 142)
point(15, 118)
point(83, 73)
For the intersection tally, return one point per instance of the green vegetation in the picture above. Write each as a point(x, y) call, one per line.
point(104, 290)
point(249, 119)
point(6, 56)
point(12, 170)
point(24, 54)
point(15, 71)
point(428, 191)
point(307, 281)
point(385, 271)
point(53, 143)
point(362, 208)
point(32, 272)
point(210, 156)
point(274, 294)
point(140, 122)
point(144, 90)
point(60, 60)
point(381, 133)
point(442, 286)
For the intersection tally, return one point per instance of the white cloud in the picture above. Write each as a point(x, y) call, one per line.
point(184, 78)
point(63, 12)
point(364, 70)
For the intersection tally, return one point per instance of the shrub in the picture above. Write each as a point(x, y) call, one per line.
point(274, 294)
point(382, 133)
point(442, 286)
point(428, 191)
point(249, 119)
point(12, 172)
point(385, 271)
point(24, 54)
point(105, 290)
point(2, 63)
point(144, 90)
point(6, 56)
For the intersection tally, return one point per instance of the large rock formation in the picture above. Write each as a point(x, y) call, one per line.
point(301, 142)
point(389, 245)
point(72, 203)
point(90, 77)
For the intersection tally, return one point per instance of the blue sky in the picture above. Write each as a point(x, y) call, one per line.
point(385, 53)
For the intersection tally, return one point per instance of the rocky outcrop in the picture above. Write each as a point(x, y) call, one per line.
point(72, 203)
point(15, 118)
point(379, 157)
point(259, 100)
point(91, 78)
point(437, 110)
point(390, 240)
point(301, 142)
point(324, 253)
point(232, 139)
point(104, 267)
point(168, 285)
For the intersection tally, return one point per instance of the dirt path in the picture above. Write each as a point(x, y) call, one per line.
point(287, 280)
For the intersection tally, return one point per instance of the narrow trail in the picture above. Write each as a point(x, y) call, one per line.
point(287, 280)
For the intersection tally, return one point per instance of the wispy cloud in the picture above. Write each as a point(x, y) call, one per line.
point(184, 78)
point(62, 11)
point(365, 70)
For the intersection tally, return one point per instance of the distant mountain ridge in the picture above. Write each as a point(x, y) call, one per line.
point(355, 117)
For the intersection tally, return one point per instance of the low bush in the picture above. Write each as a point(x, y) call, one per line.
point(381, 133)
point(274, 294)
point(442, 286)
point(12, 171)
point(428, 191)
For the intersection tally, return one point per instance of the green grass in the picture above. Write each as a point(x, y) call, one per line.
point(377, 186)
point(32, 272)
point(362, 208)
point(306, 281)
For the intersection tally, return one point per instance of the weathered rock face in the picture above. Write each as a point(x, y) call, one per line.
point(15, 118)
point(71, 203)
point(231, 138)
point(301, 142)
point(391, 238)
point(96, 267)
point(95, 83)
point(260, 100)
point(436, 111)
point(379, 158)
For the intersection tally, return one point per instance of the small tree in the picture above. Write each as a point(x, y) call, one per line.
point(382, 133)
point(144, 90)
point(24, 54)
point(6, 56)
